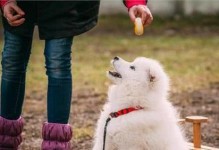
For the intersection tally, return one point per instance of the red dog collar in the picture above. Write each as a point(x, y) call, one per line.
point(115, 115)
point(124, 111)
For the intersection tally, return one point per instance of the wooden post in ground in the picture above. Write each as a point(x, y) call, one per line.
point(196, 120)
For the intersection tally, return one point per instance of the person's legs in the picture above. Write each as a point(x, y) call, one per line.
point(57, 133)
point(15, 57)
point(58, 65)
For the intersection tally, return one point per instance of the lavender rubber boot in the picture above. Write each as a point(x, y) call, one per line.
point(56, 136)
point(10, 133)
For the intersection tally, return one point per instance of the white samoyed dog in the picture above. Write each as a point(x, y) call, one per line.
point(141, 84)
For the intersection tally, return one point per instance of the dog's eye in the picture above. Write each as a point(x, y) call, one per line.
point(132, 67)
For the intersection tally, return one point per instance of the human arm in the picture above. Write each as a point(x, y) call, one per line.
point(138, 8)
point(13, 14)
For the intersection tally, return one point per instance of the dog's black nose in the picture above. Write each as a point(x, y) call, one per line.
point(116, 58)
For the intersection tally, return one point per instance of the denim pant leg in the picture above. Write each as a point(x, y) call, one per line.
point(15, 57)
point(58, 65)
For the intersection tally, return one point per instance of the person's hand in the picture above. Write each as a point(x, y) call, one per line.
point(141, 11)
point(13, 14)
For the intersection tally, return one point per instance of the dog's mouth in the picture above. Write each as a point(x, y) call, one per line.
point(115, 74)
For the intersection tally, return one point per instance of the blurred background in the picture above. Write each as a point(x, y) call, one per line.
point(184, 37)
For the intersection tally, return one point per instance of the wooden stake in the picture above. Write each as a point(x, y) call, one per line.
point(196, 120)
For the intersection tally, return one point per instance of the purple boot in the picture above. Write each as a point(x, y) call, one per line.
point(10, 133)
point(56, 136)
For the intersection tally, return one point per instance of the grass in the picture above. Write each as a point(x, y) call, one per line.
point(191, 61)
point(81, 133)
point(187, 59)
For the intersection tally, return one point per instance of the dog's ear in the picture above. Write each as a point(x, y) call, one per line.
point(152, 76)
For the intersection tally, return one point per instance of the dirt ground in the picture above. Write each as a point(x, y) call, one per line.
point(87, 104)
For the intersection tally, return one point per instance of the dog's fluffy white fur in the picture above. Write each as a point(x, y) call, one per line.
point(144, 83)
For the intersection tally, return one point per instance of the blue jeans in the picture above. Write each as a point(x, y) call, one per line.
point(15, 58)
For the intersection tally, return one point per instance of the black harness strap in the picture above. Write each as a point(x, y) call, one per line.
point(105, 130)
point(115, 115)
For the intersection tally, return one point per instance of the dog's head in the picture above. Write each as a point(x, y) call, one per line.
point(145, 73)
